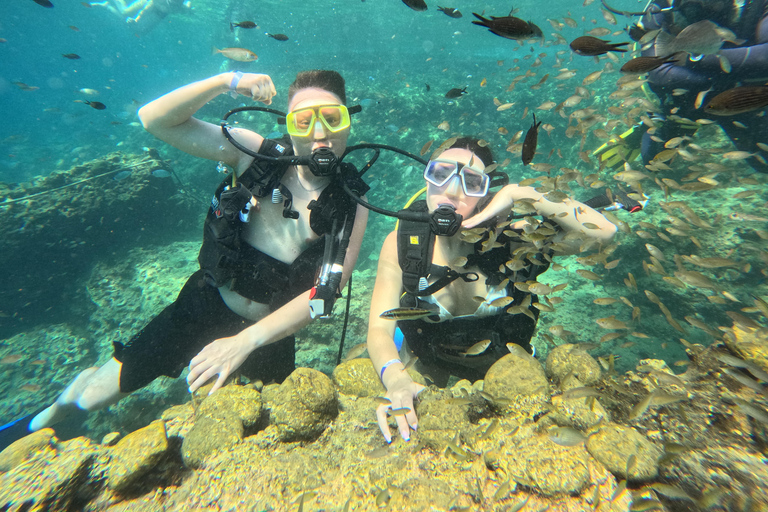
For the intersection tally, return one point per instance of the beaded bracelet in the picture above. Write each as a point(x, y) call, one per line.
point(386, 365)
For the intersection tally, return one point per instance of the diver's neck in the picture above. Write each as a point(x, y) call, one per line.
point(308, 181)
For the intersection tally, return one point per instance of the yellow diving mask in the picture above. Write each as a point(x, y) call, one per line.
point(301, 122)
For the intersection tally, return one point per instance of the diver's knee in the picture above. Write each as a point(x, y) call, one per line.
point(102, 388)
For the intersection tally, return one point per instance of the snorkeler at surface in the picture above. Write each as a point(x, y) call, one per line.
point(459, 336)
point(259, 257)
point(746, 60)
point(144, 14)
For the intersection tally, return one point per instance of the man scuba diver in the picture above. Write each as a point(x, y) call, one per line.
point(702, 76)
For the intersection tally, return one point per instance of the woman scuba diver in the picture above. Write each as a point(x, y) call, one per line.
point(256, 286)
point(446, 293)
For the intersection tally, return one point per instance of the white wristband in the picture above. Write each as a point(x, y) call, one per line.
point(235, 80)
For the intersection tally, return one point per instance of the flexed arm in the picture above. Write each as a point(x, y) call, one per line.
point(169, 118)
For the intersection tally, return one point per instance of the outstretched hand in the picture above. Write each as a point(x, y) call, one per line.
point(222, 357)
point(401, 395)
point(499, 206)
point(257, 86)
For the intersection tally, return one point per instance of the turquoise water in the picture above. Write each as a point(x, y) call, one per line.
point(388, 54)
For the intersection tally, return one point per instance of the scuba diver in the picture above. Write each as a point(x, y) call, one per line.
point(281, 219)
point(747, 63)
point(442, 295)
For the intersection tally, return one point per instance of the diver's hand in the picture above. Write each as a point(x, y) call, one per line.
point(222, 357)
point(401, 394)
point(256, 86)
point(500, 206)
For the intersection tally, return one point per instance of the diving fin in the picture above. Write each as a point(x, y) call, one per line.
point(15, 430)
point(624, 148)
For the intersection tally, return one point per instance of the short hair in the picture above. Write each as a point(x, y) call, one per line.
point(473, 144)
point(328, 80)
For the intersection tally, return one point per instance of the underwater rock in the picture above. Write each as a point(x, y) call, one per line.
point(421, 493)
point(519, 380)
point(54, 228)
point(210, 434)
point(25, 448)
point(571, 359)
point(136, 454)
point(357, 377)
point(614, 445)
point(304, 405)
point(580, 412)
point(242, 402)
point(441, 420)
point(110, 439)
point(50, 480)
point(750, 346)
point(550, 468)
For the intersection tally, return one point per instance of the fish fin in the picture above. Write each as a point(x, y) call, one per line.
point(231, 27)
point(483, 21)
point(665, 43)
point(214, 50)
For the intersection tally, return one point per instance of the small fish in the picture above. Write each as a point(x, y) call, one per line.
point(88, 92)
point(566, 436)
point(592, 46)
point(581, 392)
point(93, 104)
point(455, 93)
point(701, 38)
point(509, 27)
point(416, 5)
point(530, 142)
point(611, 322)
point(356, 351)
point(738, 100)
point(238, 54)
point(242, 24)
point(478, 348)
point(70, 56)
point(402, 411)
point(44, 3)
point(161, 173)
point(32, 388)
point(120, 176)
point(450, 11)
point(642, 406)
point(279, 37)
point(406, 314)
point(381, 400)
point(427, 87)
point(640, 65)
point(749, 409)
point(11, 359)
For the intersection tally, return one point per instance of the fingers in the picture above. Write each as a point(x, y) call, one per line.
point(381, 417)
point(195, 381)
point(403, 427)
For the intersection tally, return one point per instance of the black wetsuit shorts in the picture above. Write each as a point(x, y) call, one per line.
point(198, 317)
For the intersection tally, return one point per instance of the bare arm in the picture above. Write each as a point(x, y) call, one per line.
point(169, 118)
point(578, 216)
point(225, 355)
point(401, 389)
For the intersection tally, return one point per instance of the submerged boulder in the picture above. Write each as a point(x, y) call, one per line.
point(304, 405)
point(136, 454)
point(570, 359)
